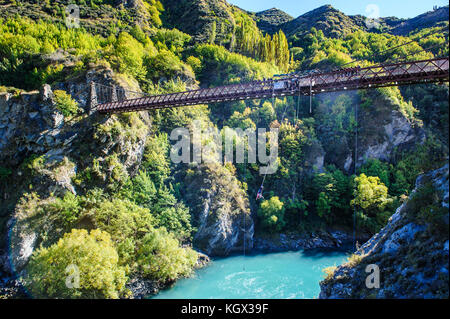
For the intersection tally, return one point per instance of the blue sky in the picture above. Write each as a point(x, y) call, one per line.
point(398, 8)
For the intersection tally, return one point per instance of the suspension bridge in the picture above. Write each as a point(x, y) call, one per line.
point(110, 99)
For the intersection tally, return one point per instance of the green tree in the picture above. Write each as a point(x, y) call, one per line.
point(156, 158)
point(161, 258)
point(92, 255)
point(212, 36)
point(372, 202)
point(129, 54)
point(323, 205)
point(271, 214)
point(374, 167)
point(65, 104)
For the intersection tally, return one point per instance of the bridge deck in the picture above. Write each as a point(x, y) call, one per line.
point(425, 71)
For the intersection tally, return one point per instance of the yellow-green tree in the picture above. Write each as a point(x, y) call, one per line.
point(271, 214)
point(161, 257)
point(79, 265)
point(372, 202)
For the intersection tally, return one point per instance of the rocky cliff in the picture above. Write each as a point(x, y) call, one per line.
point(221, 210)
point(54, 154)
point(383, 129)
point(411, 252)
point(48, 150)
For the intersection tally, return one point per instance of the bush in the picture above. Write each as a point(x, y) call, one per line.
point(130, 55)
point(195, 63)
point(67, 207)
point(329, 272)
point(372, 202)
point(425, 208)
point(161, 258)
point(167, 64)
point(122, 219)
point(65, 104)
point(96, 259)
point(271, 213)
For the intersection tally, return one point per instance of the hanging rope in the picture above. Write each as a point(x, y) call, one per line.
point(284, 112)
point(310, 95)
point(259, 194)
point(245, 228)
point(356, 159)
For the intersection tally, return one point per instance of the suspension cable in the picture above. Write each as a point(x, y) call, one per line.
point(387, 50)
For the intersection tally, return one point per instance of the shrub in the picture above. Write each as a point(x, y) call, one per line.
point(372, 201)
point(425, 207)
point(271, 213)
point(65, 104)
point(195, 63)
point(354, 260)
point(68, 208)
point(329, 272)
point(167, 64)
point(161, 258)
point(96, 259)
point(371, 194)
point(129, 54)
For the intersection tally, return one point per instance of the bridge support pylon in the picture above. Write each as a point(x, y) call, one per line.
point(93, 102)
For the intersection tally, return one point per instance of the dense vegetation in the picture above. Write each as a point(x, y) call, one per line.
point(140, 223)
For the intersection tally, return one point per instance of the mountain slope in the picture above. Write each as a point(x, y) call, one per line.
point(425, 20)
point(270, 20)
point(336, 24)
point(198, 17)
point(98, 17)
point(331, 21)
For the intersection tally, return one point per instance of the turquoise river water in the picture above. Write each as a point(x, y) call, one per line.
point(264, 276)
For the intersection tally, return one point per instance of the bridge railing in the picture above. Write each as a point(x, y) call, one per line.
point(114, 99)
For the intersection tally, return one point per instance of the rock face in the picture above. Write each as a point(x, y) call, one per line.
point(411, 252)
point(383, 130)
point(383, 136)
point(291, 242)
point(54, 149)
point(221, 211)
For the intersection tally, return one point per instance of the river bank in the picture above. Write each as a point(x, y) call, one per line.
point(262, 245)
point(293, 242)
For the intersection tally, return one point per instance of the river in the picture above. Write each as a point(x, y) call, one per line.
point(262, 276)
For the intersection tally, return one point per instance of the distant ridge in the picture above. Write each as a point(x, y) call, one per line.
point(331, 21)
point(270, 20)
point(425, 20)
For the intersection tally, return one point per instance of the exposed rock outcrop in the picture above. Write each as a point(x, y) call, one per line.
point(293, 242)
point(411, 252)
point(48, 150)
point(221, 211)
point(383, 130)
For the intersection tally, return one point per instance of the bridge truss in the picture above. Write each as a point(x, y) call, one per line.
point(114, 99)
